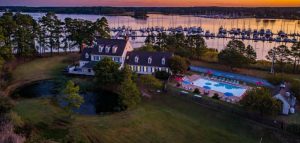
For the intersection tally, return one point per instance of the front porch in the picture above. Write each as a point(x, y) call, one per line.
point(80, 71)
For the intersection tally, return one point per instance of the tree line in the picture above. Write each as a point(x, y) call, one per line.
point(258, 12)
point(21, 36)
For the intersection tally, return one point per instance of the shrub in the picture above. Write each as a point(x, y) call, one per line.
point(216, 96)
point(16, 119)
point(278, 78)
point(151, 82)
point(210, 56)
point(295, 88)
point(260, 100)
point(162, 75)
point(197, 91)
point(293, 128)
point(5, 105)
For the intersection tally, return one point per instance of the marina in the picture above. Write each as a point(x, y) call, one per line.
point(262, 34)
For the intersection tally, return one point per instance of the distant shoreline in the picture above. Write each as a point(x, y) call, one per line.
point(292, 13)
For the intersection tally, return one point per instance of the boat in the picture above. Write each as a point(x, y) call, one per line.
point(207, 33)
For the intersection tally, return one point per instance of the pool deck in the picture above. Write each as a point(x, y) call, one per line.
point(229, 75)
point(210, 93)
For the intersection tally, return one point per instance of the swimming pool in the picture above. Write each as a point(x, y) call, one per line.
point(226, 89)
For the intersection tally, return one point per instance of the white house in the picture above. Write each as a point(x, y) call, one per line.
point(121, 52)
point(116, 49)
point(287, 100)
point(143, 62)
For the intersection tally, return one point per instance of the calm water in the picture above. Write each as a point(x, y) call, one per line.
point(289, 26)
point(94, 103)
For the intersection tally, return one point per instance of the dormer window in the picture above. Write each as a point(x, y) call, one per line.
point(87, 55)
point(136, 59)
point(163, 61)
point(114, 49)
point(149, 60)
point(101, 48)
point(107, 48)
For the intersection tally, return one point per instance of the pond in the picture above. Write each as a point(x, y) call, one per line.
point(97, 102)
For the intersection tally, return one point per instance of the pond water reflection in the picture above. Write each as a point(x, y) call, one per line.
point(100, 101)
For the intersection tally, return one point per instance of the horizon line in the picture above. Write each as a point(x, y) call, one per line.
point(159, 6)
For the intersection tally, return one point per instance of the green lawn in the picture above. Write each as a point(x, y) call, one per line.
point(39, 69)
point(42, 68)
point(165, 119)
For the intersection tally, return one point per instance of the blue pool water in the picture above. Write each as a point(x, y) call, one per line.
point(226, 89)
point(186, 82)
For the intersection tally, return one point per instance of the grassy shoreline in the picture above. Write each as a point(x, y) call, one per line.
point(244, 71)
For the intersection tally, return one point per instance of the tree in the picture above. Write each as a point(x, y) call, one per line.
point(178, 65)
point(280, 55)
point(197, 45)
point(25, 35)
point(72, 97)
point(151, 82)
point(9, 26)
point(295, 53)
point(53, 27)
point(236, 54)
point(107, 72)
point(232, 58)
point(236, 44)
point(150, 39)
point(130, 96)
point(41, 38)
point(80, 32)
point(147, 47)
point(261, 100)
point(250, 54)
point(5, 50)
point(101, 28)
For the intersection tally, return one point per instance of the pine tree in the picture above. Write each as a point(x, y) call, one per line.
point(72, 97)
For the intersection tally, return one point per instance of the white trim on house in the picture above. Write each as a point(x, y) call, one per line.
point(147, 69)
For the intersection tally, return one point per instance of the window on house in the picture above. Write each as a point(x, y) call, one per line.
point(149, 60)
point(87, 55)
point(136, 59)
point(163, 61)
point(101, 48)
point(114, 49)
point(107, 48)
point(96, 58)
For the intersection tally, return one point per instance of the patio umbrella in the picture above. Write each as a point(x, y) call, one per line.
point(209, 72)
point(228, 94)
point(259, 83)
point(206, 87)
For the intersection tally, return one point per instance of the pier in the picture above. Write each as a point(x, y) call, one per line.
point(234, 33)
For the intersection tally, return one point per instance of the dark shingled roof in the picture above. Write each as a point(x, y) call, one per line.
point(120, 43)
point(143, 58)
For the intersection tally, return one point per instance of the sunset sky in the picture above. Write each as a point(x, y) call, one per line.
point(173, 3)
